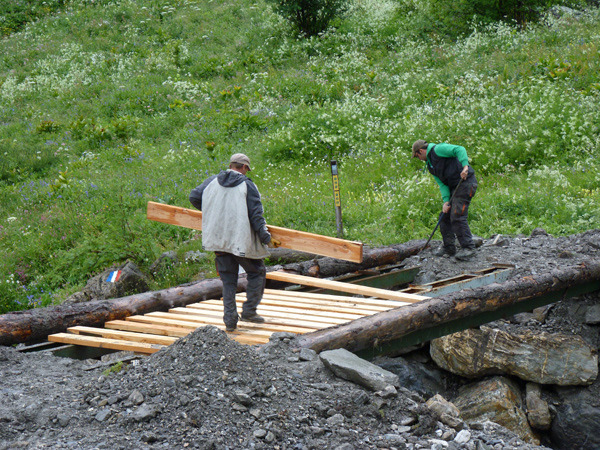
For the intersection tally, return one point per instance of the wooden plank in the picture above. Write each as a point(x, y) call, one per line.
point(345, 287)
point(99, 342)
point(330, 310)
point(251, 340)
point(272, 316)
point(314, 304)
point(162, 330)
point(122, 335)
point(292, 239)
point(305, 311)
point(274, 320)
point(212, 320)
point(338, 298)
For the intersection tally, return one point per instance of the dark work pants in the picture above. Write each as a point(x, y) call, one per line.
point(228, 268)
point(455, 224)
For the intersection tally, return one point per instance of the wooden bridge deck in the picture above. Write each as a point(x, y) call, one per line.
point(287, 311)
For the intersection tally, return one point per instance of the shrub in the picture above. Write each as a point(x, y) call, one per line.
point(310, 17)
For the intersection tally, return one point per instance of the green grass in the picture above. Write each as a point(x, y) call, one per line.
point(107, 105)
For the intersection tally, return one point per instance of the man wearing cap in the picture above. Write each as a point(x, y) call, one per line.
point(234, 228)
point(449, 165)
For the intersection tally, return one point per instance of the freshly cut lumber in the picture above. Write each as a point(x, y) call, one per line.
point(291, 239)
point(316, 306)
point(345, 287)
point(163, 330)
point(113, 344)
point(122, 335)
point(384, 327)
point(270, 315)
point(375, 257)
point(276, 320)
point(302, 298)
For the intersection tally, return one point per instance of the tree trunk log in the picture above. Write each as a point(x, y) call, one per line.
point(36, 324)
point(373, 257)
point(369, 332)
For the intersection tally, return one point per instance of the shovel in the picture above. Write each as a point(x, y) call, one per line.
point(440, 219)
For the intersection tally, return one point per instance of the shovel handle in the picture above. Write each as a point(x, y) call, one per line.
point(440, 219)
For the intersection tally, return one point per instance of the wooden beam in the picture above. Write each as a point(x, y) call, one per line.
point(122, 335)
point(162, 330)
point(113, 344)
point(292, 239)
point(345, 287)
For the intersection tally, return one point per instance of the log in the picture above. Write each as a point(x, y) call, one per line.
point(36, 324)
point(372, 257)
point(384, 327)
point(291, 239)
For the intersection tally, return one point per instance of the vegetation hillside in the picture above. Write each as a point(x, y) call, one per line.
point(108, 104)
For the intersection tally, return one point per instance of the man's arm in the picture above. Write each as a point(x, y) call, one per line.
point(255, 213)
point(196, 194)
point(453, 151)
point(444, 190)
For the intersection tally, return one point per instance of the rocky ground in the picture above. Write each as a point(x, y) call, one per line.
point(209, 392)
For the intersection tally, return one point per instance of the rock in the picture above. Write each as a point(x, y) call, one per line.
point(462, 437)
point(592, 315)
point(498, 400)
point(307, 354)
point(413, 375)
point(539, 232)
point(195, 256)
point(131, 281)
point(531, 356)
point(136, 398)
point(498, 241)
point(350, 367)
point(164, 261)
point(576, 425)
point(144, 413)
point(440, 406)
point(538, 412)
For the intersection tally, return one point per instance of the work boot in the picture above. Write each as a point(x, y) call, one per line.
point(230, 328)
point(253, 318)
point(443, 250)
point(465, 254)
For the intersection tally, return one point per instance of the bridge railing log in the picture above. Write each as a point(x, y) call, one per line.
point(384, 327)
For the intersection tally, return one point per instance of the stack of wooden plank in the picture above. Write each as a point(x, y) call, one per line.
point(284, 311)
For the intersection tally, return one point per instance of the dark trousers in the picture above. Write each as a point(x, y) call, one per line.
point(455, 224)
point(228, 268)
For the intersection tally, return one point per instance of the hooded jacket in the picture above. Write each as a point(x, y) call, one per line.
point(232, 215)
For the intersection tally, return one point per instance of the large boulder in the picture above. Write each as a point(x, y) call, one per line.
point(498, 400)
point(131, 281)
point(577, 420)
point(539, 357)
point(350, 367)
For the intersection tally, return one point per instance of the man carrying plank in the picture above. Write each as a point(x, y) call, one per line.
point(234, 228)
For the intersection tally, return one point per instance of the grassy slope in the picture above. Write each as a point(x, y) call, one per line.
point(110, 104)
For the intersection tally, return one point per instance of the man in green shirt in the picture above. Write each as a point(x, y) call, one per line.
point(449, 165)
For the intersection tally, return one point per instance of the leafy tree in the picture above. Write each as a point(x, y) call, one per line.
point(310, 17)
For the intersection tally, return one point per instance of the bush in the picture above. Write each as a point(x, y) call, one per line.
point(310, 17)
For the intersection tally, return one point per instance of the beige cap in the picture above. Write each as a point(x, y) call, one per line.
point(240, 158)
point(418, 145)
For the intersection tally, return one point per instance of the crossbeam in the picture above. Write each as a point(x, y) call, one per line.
point(345, 287)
